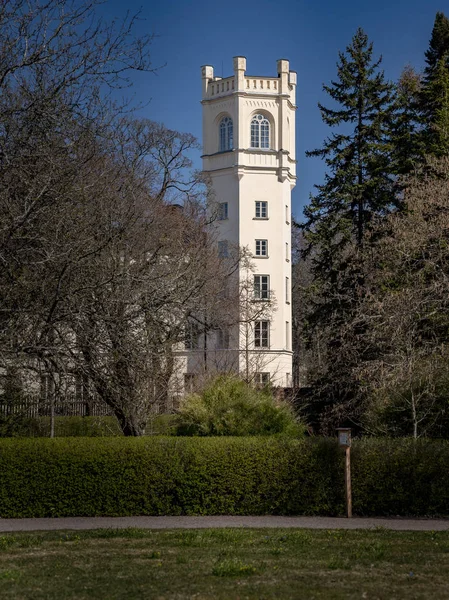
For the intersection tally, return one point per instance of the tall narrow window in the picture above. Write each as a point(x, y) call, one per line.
point(226, 134)
point(223, 338)
point(287, 252)
point(261, 247)
point(287, 289)
point(223, 249)
point(222, 211)
point(260, 132)
point(192, 332)
point(287, 335)
point(287, 215)
point(261, 287)
point(261, 209)
point(261, 334)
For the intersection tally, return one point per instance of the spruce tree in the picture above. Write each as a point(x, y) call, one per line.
point(407, 141)
point(358, 184)
point(438, 45)
point(434, 92)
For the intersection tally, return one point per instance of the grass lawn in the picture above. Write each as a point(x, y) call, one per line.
point(225, 563)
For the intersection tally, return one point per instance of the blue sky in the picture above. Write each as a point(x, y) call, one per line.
point(308, 33)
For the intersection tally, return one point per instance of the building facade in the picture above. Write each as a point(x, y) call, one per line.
point(249, 155)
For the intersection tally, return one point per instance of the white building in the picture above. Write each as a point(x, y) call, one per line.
point(249, 154)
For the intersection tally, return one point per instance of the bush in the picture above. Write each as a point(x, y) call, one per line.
point(106, 426)
point(21, 426)
point(211, 476)
point(228, 406)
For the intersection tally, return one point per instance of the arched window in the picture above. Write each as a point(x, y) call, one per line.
point(226, 134)
point(260, 132)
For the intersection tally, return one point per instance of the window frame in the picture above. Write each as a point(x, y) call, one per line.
point(263, 204)
point(262, 378)
point(223, 211)
point(262, 334)
point(261, 248)
point(260, 132)
point(223, 249)
point(225, 134)
point(261, 288)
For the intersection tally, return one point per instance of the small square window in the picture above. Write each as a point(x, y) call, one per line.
point(261, 210)
point(261, 378)
point(222, 211)
point(261, 247)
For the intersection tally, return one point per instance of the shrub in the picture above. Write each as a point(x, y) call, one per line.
point(228, 406)
point(211, 476)
point(21, 426)
point(100, 426)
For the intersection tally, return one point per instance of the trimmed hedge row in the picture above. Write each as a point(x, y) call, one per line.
point(209, 476)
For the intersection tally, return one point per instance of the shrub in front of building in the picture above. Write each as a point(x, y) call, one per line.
point(227, 406)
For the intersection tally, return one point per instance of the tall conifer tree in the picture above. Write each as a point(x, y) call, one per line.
point(434, 94)
point(358, 184)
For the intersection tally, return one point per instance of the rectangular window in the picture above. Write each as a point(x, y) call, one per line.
point(191, 341)
point(287, 252)
point(287, 214)
point(223, 249)
point(261, 247)
point(222, 211)
point(261, 210)
point(223, 338)
point(261, 334)
point(261, 287)
point(261, 378)
point(287, 335)
point(287, 289)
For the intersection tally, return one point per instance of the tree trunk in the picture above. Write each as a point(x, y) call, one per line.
point(129, 424)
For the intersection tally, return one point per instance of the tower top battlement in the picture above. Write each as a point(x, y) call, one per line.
point(217, 87)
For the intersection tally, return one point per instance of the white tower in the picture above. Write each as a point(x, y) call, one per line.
point(249, 153)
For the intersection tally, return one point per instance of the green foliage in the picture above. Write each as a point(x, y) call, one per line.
point(169, 476)
point(358, 184)
point(212, 476)
point(229, 406)
point(20, 426)
point(434, 95)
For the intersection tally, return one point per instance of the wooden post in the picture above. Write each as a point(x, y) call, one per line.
point(344, 441)
point(348, 482)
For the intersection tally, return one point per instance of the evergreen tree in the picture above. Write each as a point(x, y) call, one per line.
point(437, 134)
point(434, 93)
point(438, 45)
point(359, 183)
point(407, 141)
point(359, 186)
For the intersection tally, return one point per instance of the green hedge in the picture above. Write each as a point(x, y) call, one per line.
point(209, 476)
point(19, 426)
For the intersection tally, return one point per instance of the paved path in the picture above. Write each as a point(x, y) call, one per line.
point(207, 522)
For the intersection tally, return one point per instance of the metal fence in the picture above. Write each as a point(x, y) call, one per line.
point(67, 406)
